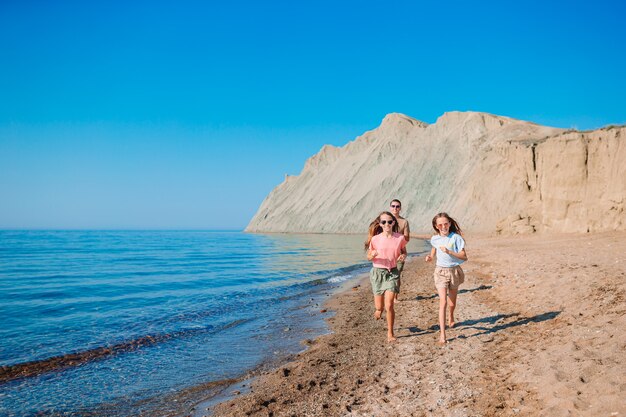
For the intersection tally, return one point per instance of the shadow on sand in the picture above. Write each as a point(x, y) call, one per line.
point(520, 321)
point(430, 297)
point(416, 331)
point(490, 322)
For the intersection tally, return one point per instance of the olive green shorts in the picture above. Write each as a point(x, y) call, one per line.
point(384, 280)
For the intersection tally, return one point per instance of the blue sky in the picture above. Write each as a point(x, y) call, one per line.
point(186, 115)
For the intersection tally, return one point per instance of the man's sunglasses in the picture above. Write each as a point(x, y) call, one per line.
point(395, 206)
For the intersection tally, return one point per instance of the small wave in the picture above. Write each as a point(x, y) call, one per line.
point(346, 269)
point(330, 276)
point(339, 279)
point(344, 274)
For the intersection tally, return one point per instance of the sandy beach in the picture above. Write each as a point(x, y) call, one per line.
point(540, 331)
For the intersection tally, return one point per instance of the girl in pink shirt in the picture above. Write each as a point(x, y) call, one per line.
point(385, 250)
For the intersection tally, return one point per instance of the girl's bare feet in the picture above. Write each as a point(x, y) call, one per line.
point(391, 338)
point(442, 342)
point(378, 314)
point(451, 323)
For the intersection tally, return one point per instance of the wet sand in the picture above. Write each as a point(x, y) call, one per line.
point(540, 331)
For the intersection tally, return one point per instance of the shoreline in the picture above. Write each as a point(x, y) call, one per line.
point(178, 333)
point(527, 341)
point(243, 385)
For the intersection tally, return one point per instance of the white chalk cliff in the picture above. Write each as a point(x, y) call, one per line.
point(492, 173)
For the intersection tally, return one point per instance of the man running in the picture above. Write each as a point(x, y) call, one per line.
point(403, 228)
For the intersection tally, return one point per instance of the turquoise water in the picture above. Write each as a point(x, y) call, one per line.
point(113, 322)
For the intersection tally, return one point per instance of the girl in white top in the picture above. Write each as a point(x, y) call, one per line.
point(449, 246)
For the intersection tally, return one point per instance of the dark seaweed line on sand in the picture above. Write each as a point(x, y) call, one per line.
point(71, 360)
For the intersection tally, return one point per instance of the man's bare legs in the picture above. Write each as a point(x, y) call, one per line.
point(395, 297)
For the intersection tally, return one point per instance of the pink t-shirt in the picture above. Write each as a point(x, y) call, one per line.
point(388, 248)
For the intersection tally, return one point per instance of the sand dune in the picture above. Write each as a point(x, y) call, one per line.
point(495, 174)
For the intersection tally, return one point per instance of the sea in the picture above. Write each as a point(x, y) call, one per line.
point(125, 323)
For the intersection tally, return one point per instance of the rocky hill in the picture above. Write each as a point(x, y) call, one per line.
point(492, 173)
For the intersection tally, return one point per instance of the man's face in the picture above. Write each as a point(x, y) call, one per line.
point(395, 208)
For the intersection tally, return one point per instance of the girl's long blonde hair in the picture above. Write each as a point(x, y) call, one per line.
point(374, 229)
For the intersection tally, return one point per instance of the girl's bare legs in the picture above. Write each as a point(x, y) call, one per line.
point(379, 304)
point(391, 314)
point(442, 314)
point(452, 303)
